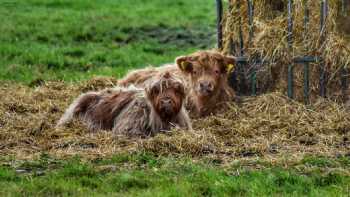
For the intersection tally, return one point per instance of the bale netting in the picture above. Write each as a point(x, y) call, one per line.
point(270, 43)
point(268, 126)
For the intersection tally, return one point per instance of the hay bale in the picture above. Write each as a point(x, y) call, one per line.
point(270, 42)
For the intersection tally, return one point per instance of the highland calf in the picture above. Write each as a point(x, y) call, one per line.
point(157, 107)
point(205, 74)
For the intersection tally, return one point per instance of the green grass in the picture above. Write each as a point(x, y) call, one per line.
point(75, 40)
point(147, 175)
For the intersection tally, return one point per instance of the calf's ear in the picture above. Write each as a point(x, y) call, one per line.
point(184, 64)
point(229, 63)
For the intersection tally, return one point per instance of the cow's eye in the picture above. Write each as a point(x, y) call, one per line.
point(155, 90)
point(179, 89)
point(217, 72)
point(177, 86)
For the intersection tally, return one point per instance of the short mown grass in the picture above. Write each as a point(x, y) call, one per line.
point(147, 175)
point(74, 40)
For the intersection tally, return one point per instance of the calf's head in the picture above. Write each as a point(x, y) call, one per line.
point(208, 71)
point(166, 94)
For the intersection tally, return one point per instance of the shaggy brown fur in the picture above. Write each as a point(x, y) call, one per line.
point(205, 74)
point(133, 111)
point(138, 77)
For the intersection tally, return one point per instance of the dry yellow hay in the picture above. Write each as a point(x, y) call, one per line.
point(270, 42)
point(269, 126)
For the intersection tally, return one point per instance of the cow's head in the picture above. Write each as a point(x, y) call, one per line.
point(207, 71)
point(166, 93)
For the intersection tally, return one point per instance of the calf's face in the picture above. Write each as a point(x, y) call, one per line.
point(207, 71)
point(166, 94)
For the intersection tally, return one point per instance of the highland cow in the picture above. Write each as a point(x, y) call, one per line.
point(157, 107)
point(205, 74)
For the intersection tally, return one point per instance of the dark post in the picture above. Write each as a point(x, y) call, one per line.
point(344, 70)
point(290, 45)
point(241, 66)
point(234, 76)
point(344, 81)
point(251, 34)
point(219, 23)
point(306, 64)
point(324, 12)
point(241, 42)
point(251, 19)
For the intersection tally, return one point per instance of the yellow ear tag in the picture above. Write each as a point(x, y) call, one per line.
point(230, 68)
point(183, 65)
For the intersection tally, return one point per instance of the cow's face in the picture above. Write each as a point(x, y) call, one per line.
point(167, 95)
point(207, 71)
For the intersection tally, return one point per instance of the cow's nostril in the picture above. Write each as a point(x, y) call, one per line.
point(206, 86)
point(203, 84)
point(210, 86)
point(166, 101)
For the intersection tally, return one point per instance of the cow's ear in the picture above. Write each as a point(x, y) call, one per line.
point(230, 63)
point(184, 64)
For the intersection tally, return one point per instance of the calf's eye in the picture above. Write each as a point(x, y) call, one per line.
point(155, 90)
point(179, 91)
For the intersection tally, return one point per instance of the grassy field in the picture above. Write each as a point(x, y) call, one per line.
point(75, 40)
point(147, 175)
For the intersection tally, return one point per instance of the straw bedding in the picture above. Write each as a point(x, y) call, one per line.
point(269, 126)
